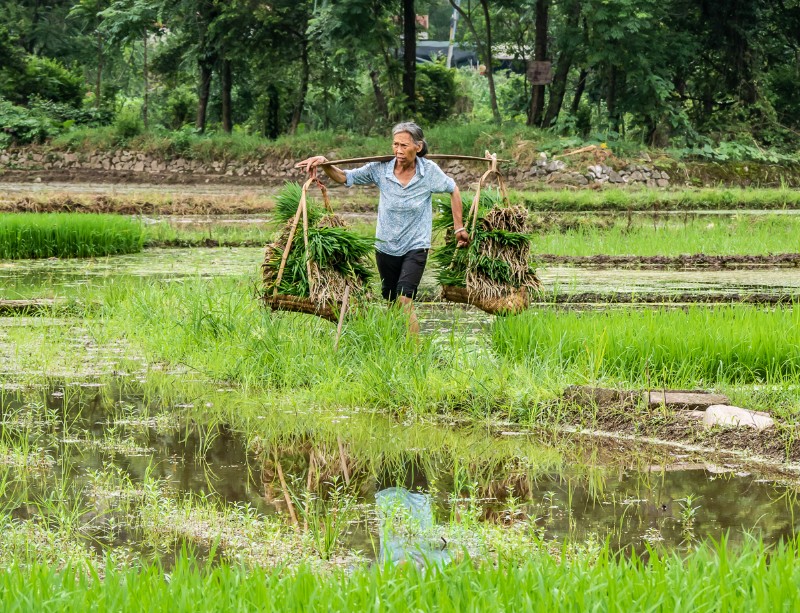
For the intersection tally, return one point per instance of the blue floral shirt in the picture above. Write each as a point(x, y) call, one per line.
point(405, 214)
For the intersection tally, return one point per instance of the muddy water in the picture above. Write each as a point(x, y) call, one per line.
point(629, 495)
point(51, 278)
point(768, 280)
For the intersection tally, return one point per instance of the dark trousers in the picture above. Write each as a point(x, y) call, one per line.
point(401, 274)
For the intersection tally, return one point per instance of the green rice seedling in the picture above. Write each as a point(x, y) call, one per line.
point(67, 235)
point(674, 236)
point(333, 259)
point(327, 517)
point(497, 259)
point(616, 199)
point(695, 346)
point(711, 578)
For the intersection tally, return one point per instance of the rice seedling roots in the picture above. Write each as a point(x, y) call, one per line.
point(507, 303)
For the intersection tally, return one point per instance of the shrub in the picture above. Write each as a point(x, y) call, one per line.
point(19, 126)
point(48, 79)
point(436, 92)
point(180, 107)
point(128, 123)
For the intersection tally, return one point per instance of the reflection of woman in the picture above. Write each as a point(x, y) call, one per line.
point(405, 211)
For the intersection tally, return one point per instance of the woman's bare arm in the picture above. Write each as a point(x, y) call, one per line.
point(334, 172)
point(457, 206)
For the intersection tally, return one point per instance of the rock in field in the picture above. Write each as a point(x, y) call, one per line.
point(726, 415)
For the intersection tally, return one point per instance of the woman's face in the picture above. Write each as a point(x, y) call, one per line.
point(405, 150)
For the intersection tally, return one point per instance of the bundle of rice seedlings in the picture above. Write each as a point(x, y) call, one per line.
point(497, 262)
point(335, 259)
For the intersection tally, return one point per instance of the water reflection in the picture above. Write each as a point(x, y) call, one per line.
point(59, 439)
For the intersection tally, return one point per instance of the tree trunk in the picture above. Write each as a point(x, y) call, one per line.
point(272, 127)
point(483, 50)
point(611, 100)
point(540, 54)
point(225, 82)
point(301, 102)
point(380, 99)
point(146, 84)
point(203, 94)
point(563, 66)
point(489, 72)
point(99, 80)
point(576, 99)
point(410, 53)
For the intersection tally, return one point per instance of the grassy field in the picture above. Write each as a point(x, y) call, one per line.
point(622, 200)
point(63, 235)
point(216, 329)
point(708, 579)
point(697, 346)
point(559, 234)
point(643, 235)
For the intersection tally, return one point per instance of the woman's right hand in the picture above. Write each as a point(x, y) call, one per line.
point(309, 164)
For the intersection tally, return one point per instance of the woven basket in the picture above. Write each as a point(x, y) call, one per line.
point(297, 304)
point(508, 304)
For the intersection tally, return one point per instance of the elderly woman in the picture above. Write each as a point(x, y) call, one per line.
point(405, 211)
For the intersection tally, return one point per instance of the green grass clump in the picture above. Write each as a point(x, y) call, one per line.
point(711, 578)
point(67, 235)
point(699, 345)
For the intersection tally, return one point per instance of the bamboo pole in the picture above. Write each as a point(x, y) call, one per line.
point(342, 312)
point(285, 489)
point(432, 156)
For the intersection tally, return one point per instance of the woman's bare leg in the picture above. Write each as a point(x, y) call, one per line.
point(407, 304)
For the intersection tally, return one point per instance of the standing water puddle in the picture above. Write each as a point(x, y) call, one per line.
point(80, 445)
point(52, 278)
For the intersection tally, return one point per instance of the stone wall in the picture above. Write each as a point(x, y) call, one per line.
point(137, 166)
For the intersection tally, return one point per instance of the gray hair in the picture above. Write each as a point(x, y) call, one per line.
point(416, 135)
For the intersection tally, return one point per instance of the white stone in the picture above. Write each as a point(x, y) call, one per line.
point(726, 415)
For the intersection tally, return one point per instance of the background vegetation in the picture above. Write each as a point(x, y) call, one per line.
point(715, 80)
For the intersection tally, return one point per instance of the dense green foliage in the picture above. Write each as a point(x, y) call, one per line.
point(707, 579)
point(66, 235)
point(675, 72)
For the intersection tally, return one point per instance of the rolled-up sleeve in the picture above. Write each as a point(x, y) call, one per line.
point(440, 182)
point(361, 176)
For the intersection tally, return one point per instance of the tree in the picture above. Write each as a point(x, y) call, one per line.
point(409, 52)
point(126, 21)
point(484, 47)
point(88, 13)
point(539, 55)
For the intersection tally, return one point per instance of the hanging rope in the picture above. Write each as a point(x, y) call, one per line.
point(302, 211)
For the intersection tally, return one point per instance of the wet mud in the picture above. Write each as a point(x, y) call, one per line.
point(623, 412)
point(694, 261)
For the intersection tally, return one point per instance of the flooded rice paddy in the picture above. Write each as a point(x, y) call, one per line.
point(105, 450)
point(60, 278)
point(96, 458)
